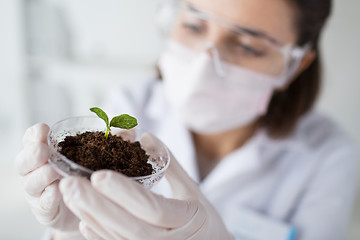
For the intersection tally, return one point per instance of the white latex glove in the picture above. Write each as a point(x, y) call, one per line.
point(113, 206)
point(41, 185)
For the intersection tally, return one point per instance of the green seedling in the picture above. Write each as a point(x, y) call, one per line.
point(123, 121)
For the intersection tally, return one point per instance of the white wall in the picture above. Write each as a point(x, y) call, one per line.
point(340, 98)
point(341, 51)
point(11, 72)
point(16, 220)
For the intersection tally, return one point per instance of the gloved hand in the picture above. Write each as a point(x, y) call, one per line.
point(113, 206)
point(41, 185)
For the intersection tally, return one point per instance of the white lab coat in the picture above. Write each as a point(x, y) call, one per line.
point(267, 188)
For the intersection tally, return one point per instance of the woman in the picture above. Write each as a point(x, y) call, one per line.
point(238, 81)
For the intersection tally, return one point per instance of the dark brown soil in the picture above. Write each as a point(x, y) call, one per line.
point(93, 151)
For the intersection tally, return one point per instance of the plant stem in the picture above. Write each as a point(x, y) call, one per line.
point(107, 133)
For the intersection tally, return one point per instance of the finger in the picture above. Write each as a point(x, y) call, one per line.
point(141, 202)
point(127, 135)
point(36, 133)
point(152, 145)
point(36, 181)
point(46, 207)
point(88, 233)
point(104, 216)
point(181, 184)
point(31, 157)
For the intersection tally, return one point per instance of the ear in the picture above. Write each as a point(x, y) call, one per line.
point(305, 63)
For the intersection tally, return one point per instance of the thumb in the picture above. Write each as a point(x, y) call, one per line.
point(181, 184)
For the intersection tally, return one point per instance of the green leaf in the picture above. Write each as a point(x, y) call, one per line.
point(124, 121)
point(101, 114)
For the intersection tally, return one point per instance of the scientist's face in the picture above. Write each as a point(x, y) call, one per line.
point(230, 54)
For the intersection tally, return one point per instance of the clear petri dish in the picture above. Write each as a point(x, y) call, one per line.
point(159, 159)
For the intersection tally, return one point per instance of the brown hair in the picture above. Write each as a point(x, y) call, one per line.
point(287, 106)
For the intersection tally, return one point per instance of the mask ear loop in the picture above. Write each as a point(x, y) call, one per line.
point(215, 57)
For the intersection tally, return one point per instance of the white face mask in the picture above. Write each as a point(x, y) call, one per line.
point(209, 103)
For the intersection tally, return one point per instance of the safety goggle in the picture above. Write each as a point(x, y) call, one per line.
point(239, 45)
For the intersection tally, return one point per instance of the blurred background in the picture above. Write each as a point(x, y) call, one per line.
point(60, 57)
